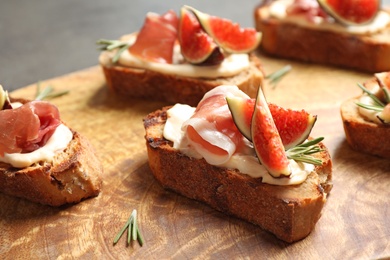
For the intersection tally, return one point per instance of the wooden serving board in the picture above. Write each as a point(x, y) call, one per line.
point(355, 221)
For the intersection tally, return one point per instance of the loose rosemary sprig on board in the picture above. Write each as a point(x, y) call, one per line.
point(302, 152)
point(110, 45)
point(48, 92)
point(133, 232)
point(276, 76)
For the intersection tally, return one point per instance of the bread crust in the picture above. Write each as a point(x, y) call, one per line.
point(289, 212)
point(72, 176)
point(362, 135)
point(369, 53)
point(152, 85)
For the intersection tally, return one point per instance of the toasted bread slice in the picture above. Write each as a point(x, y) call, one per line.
point(362, 135)
point(369, 53)
point(152, 85)
point(73, 175)
point(289, 212)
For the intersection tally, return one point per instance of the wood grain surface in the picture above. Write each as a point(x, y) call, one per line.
point(354, 223)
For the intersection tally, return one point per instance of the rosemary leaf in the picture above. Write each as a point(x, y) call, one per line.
point(115, 45)
point(311, 142)
point(276, 76)
point(303, 152)
point(370, 107)
point(120, 233)
point(371, 95)
point(133, 232)
point(56, 94)
point(104, 42)
point(40, 95)
point(129, 231)
point(48, 92)
point(140, 238)
point(134, 227)
point(119, 52)
point(307, 159)
point(110, 45)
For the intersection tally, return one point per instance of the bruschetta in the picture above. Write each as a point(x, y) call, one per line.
point(200, 153)
point(41, 159)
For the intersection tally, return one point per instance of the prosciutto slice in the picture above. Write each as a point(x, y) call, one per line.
point(157, 38)
point(309, 8)
point(211, 130)
point(28, 127)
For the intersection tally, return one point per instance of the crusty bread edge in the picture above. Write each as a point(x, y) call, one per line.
point(269, 206)
point(72, 176)
point(362, 135)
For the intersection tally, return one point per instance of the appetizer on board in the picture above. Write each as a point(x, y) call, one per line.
point(41, 158)
point(366, 118)
point(178, 58)
point(244, 157)
point(349, 34)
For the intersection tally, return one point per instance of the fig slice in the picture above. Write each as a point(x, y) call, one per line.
point(266, 139)
point(294, 126)
point(5, 102)
point(197, 47)
point(383, 79)
point(384, 115)
point(351, 12)
point(228, 35)
point(242, 112)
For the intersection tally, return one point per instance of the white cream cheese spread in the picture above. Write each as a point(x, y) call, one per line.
point(56, 143)
point(232, 65)
point(246, 163)
point(278, 10)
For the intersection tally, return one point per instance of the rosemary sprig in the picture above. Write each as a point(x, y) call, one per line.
point(371, 95)
point(133, 232)
point(386, 91)
point(110, 45)
point(378, 104)
point(47, 92)
point(302, 152)
point(370, 107)
point(276, 76)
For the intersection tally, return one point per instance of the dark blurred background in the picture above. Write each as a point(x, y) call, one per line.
point(42, 39)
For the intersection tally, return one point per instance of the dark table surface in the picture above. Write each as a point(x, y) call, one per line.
point(43, 39)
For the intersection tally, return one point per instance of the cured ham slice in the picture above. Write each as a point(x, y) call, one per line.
point(157, 38)
point(211, 130)
point(28, 127)
point(310, 8)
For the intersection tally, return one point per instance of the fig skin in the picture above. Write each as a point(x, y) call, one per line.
point(288, 122)
point(266, 140)
point(228, 35)
point(351, 12)
point(197, 47)
point(384, 115)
